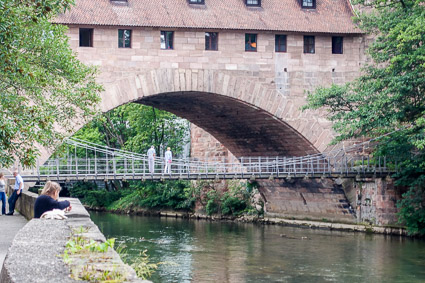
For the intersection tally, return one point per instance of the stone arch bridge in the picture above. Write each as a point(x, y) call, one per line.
point(251, 110)
point(249, 102)
point(247, 117)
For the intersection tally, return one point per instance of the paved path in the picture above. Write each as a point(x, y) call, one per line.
point(9, 226)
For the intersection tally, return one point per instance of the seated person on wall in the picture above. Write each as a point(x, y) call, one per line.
point(48, 200)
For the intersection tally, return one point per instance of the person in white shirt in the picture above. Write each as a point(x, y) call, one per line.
point(19, 186)
point(151, 159)
point(168, 157)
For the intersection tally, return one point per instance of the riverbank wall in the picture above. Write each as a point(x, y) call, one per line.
point(307, 223)
point(37, 251)
point(315, 199)
point(362, 200)
point(374, 199)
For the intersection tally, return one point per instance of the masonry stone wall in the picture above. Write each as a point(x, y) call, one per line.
point(370, 200)
point(240, 103)
point(292, 72)
point(204, 146)
point(272, 82)
point(320, 200)
point(249, 101)
point(35, 253)
point(375, 200)
point(25, 203)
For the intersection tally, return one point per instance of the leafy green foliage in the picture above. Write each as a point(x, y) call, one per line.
point(164, 194)
point(388, 96)
point(234, 199)
point(130, 199)
point(150, 194)
point(213, 205)
point(142, 265)
point(91, 195)
point(237, 199)
point(391, 91)
point(80, 244)
point(43, 87)
point(136, 127)
point(233, 204)
point(101, 198)
point(80, 189)
point(412, 208)
point(174, 195)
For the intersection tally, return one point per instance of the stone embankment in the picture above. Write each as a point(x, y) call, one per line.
point(270, 220)
point(36, 253)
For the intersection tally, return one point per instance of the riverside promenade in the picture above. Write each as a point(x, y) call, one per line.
point(9, 227)
point(38, 244)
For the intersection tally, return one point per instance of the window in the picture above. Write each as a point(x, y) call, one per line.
point(86, 37)
point(250, 42)
point(167, 39)
point(124, 38)
point(308, 4)
point(280, 43)
point(211, 41)
point(256, 3)
point(120, 2)
point(196, 1)
point(309, 44)
point(337, 44)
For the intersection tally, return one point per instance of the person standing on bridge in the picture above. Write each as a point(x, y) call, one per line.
point(48, 200)
point(168, 157)
point(151, 159)
point(19, 186)
point(3, 193)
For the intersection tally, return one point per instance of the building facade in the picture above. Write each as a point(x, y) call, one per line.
point(280, 48)
point(238, 70)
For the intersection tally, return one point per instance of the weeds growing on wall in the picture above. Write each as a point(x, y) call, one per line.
point(231, 198)
point(141, 263)
point(85, 252)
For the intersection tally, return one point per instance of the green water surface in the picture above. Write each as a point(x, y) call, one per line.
point(204, 251)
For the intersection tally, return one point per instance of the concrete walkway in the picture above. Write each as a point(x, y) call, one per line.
point(9, 226)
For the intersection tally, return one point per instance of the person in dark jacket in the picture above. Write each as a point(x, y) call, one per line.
point(48, 200)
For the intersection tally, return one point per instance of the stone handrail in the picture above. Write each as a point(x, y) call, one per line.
point(35, 253)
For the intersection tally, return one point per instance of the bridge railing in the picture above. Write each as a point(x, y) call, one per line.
point(244, 167)
point(104, 162)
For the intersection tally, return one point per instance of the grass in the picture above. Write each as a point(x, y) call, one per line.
point(92, 253)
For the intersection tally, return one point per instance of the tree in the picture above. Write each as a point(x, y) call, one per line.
point(156, 127)
point(135, 127)
point(43, 87)
point(388, 96)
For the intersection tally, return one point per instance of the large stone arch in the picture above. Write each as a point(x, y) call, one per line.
point(227, 105)
point(273, 121)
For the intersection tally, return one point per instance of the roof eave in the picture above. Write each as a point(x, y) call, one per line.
point(359, 32)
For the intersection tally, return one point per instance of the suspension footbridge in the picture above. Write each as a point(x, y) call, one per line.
point(105, 163)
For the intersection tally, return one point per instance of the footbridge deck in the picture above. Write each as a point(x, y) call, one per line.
point(104, 163)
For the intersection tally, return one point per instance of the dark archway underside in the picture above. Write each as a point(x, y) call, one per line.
point(244, 129)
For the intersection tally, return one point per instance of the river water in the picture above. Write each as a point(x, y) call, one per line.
point(204, 251)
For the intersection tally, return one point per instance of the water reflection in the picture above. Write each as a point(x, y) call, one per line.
point(202, 251)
